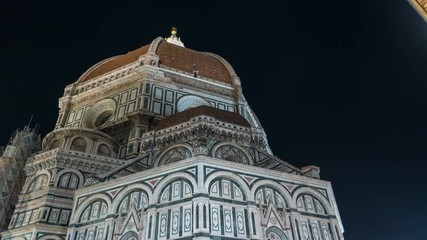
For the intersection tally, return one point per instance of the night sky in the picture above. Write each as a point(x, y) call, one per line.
point(337, 84)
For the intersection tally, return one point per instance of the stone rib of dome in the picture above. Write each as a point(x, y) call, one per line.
point(171, 56)
point(222, 115)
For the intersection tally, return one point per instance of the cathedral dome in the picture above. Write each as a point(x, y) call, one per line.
point(171, 56)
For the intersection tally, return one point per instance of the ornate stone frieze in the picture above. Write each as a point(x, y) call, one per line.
point(71, 159)
point(38, 163)
point(193, 129)
point(201, 150)
point(64, 134)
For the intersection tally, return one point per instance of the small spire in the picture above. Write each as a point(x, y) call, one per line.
point(173, 39)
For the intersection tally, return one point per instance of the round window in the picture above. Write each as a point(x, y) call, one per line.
point(100, 113)
point(190, 101)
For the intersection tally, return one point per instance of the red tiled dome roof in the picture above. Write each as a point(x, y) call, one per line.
point(184, 59)
point(222, 115)
point(112, 63)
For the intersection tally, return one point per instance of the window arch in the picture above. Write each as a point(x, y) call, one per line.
point(103, 150)
point(231, 153)
point(176, 190)
point(38, 183)
point(96, 210)
point(68, 181)
point(174, 155)
point(265, 194)
point(310, 204)
point(226, 188)
point(79, 144)
point(137, 197)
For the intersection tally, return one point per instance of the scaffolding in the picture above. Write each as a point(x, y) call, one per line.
point(22, 145)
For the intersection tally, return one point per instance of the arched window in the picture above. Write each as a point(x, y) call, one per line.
point(69, 181)
point(176, 190)
point(265, 194)
point(231, 153)
point(314, 220)
point(174, 155)
point(79, 144)
point(103, 150)
point(38, 183)
point(96, 210)
point(310, 204)
point(175, 210)
point(137, 197)
point(227, 210)
point(228, 189)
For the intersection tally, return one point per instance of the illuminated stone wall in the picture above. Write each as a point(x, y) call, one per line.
point(153, 144)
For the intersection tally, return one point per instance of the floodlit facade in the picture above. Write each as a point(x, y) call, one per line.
point(160, 143)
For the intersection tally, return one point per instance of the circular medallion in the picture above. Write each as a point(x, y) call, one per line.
point(273, 220)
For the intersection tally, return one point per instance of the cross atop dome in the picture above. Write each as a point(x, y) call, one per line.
point(174, 39)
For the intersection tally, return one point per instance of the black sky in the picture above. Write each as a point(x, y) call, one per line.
point(337, 84)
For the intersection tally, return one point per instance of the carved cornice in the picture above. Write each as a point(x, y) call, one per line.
point(73, 131)
point(202, 83)
point(48, 190)
point(71, 159)
point(196, 127)
point(111, 81)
